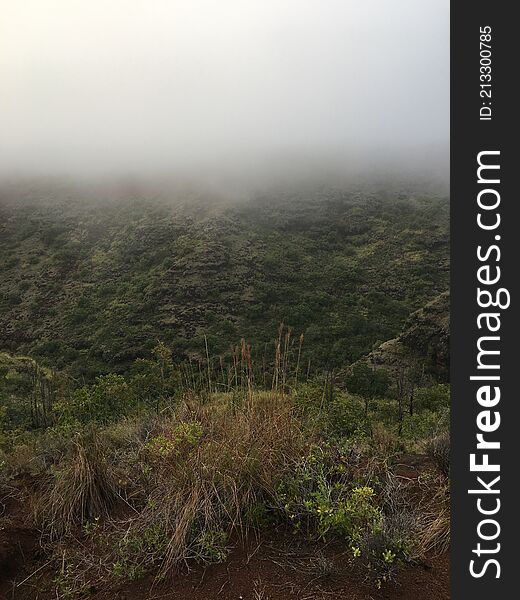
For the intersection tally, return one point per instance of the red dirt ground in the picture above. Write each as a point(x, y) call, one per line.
point(276, 569)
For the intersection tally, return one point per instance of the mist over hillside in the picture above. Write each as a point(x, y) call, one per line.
point(93, 276)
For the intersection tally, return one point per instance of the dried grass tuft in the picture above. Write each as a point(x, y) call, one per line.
point(84, 488)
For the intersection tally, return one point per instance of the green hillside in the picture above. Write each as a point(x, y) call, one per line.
point(88, 283)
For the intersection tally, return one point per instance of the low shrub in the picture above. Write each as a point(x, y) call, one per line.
point(336, 414)
point(318, 495)
point(423, 425)
point(106, 400)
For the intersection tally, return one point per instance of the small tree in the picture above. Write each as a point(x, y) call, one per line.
point(154, 382)
point(367, 382)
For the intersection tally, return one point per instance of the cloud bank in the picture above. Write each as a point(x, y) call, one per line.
point(114, 86)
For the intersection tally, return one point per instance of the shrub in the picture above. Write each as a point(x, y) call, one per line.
point(425, 424)
point(183, 437)
point(318, 495)
point(109, 398)
point(138, 551)
point(346, 416)
point(385, 548)
point(340, 416)
point(210, 546)
point(367, 382)
point(433, 398)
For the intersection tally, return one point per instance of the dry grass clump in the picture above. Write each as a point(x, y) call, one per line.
point(401, 510)
point(83, 488)
point(212, 467)
point(189, 480)
point(438, 449)
point(422, 522)
point(434, 533)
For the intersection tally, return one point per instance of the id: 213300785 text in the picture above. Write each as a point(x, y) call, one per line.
point(486, 91)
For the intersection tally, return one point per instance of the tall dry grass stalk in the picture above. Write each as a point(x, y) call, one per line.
point(241, 369)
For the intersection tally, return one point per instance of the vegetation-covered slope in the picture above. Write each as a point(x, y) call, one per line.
point(88, 284)
point(154, 413)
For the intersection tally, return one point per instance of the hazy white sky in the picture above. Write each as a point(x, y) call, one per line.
point(95, 85)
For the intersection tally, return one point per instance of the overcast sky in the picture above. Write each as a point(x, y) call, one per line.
point(130, 85)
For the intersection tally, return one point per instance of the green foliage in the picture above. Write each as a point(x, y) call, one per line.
point(108, 399)
point(154, 381)
point(435, 397)
point(337, 413)
point(210, 546)
point(346, 416)
point(367, 382)
point(67, 585)
point(89, 527)
point(27, 393)
point(91, 286)
point(316, 496)
point(183, 437)
point(138, 551)
point(348, 516)
point(425, 424)
point(320, 497)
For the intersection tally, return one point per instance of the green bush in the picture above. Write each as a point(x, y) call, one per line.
point(425, 424)
point(108, 399)
point(318, 495)
point(346, 416)
point(433, 398)
point(183, 437)
point(367, 382)
point(341, 415)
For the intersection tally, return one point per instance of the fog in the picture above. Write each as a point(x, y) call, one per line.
point(223, 87)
